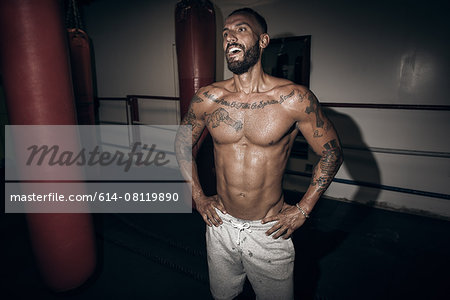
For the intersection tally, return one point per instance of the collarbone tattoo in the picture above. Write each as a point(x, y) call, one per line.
point(247, 105)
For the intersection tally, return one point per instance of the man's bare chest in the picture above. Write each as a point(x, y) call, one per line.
point(260, 120)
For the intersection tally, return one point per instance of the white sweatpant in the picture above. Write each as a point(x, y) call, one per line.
point(240, 248)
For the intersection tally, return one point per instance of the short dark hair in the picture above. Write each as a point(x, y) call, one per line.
point(246, 10)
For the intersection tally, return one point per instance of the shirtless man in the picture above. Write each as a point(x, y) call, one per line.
point(253, 119)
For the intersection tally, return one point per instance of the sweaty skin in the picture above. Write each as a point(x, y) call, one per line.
point(253, 119)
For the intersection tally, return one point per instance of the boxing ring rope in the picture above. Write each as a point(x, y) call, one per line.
point(393, 107)
point(387, 106)
point(324, 104)
point(132, 112)
point(377, 186)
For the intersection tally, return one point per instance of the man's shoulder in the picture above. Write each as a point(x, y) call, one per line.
point(219, 86)
point(218, 89)
point(291, 95)
point(281, 86)
point(209, 92)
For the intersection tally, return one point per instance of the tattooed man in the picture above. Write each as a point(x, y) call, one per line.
point(253, 119)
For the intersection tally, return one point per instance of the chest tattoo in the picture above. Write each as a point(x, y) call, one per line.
point(219, 116)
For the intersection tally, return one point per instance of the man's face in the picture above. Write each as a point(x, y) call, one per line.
point(241, 43)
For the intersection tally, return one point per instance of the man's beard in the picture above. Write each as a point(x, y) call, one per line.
point(251, 57)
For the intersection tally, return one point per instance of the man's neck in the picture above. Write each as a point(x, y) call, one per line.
point(253, 81)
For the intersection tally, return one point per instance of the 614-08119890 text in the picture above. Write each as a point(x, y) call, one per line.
point(141, 197)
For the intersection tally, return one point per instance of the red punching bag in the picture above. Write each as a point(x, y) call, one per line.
point(38, 87)
point(80, 59)
point(195, 29)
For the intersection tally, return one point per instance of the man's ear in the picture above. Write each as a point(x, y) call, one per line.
point(264, 40)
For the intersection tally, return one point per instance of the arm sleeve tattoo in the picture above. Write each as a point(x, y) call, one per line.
point(328, 165)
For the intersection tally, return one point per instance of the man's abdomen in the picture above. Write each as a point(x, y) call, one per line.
point(249, 181)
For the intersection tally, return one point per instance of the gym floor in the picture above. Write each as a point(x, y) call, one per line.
point(344, 251)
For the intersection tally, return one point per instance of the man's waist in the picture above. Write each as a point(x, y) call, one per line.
point(230, 220)
point(251, 208)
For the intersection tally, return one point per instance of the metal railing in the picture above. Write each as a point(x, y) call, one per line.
point(132, 107)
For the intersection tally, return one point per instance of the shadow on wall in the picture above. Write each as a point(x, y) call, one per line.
point(332, 224)
point(360, 162)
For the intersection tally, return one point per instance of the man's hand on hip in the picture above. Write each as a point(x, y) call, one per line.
point(289, 219)
point(206, 207)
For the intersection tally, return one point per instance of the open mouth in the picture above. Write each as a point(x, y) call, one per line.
point(234, 50)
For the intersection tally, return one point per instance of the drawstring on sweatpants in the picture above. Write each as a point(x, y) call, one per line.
point(241, 227)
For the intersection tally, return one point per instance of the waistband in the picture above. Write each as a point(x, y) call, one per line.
point(253, 224)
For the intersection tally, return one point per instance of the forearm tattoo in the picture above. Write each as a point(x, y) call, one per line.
point(328, 165)
point(183, 145)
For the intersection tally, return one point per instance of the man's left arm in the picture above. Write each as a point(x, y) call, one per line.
point(321, 136)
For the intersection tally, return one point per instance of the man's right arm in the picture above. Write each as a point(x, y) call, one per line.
point(183, 148)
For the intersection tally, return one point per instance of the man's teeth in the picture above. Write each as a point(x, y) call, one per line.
point(235, 50)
